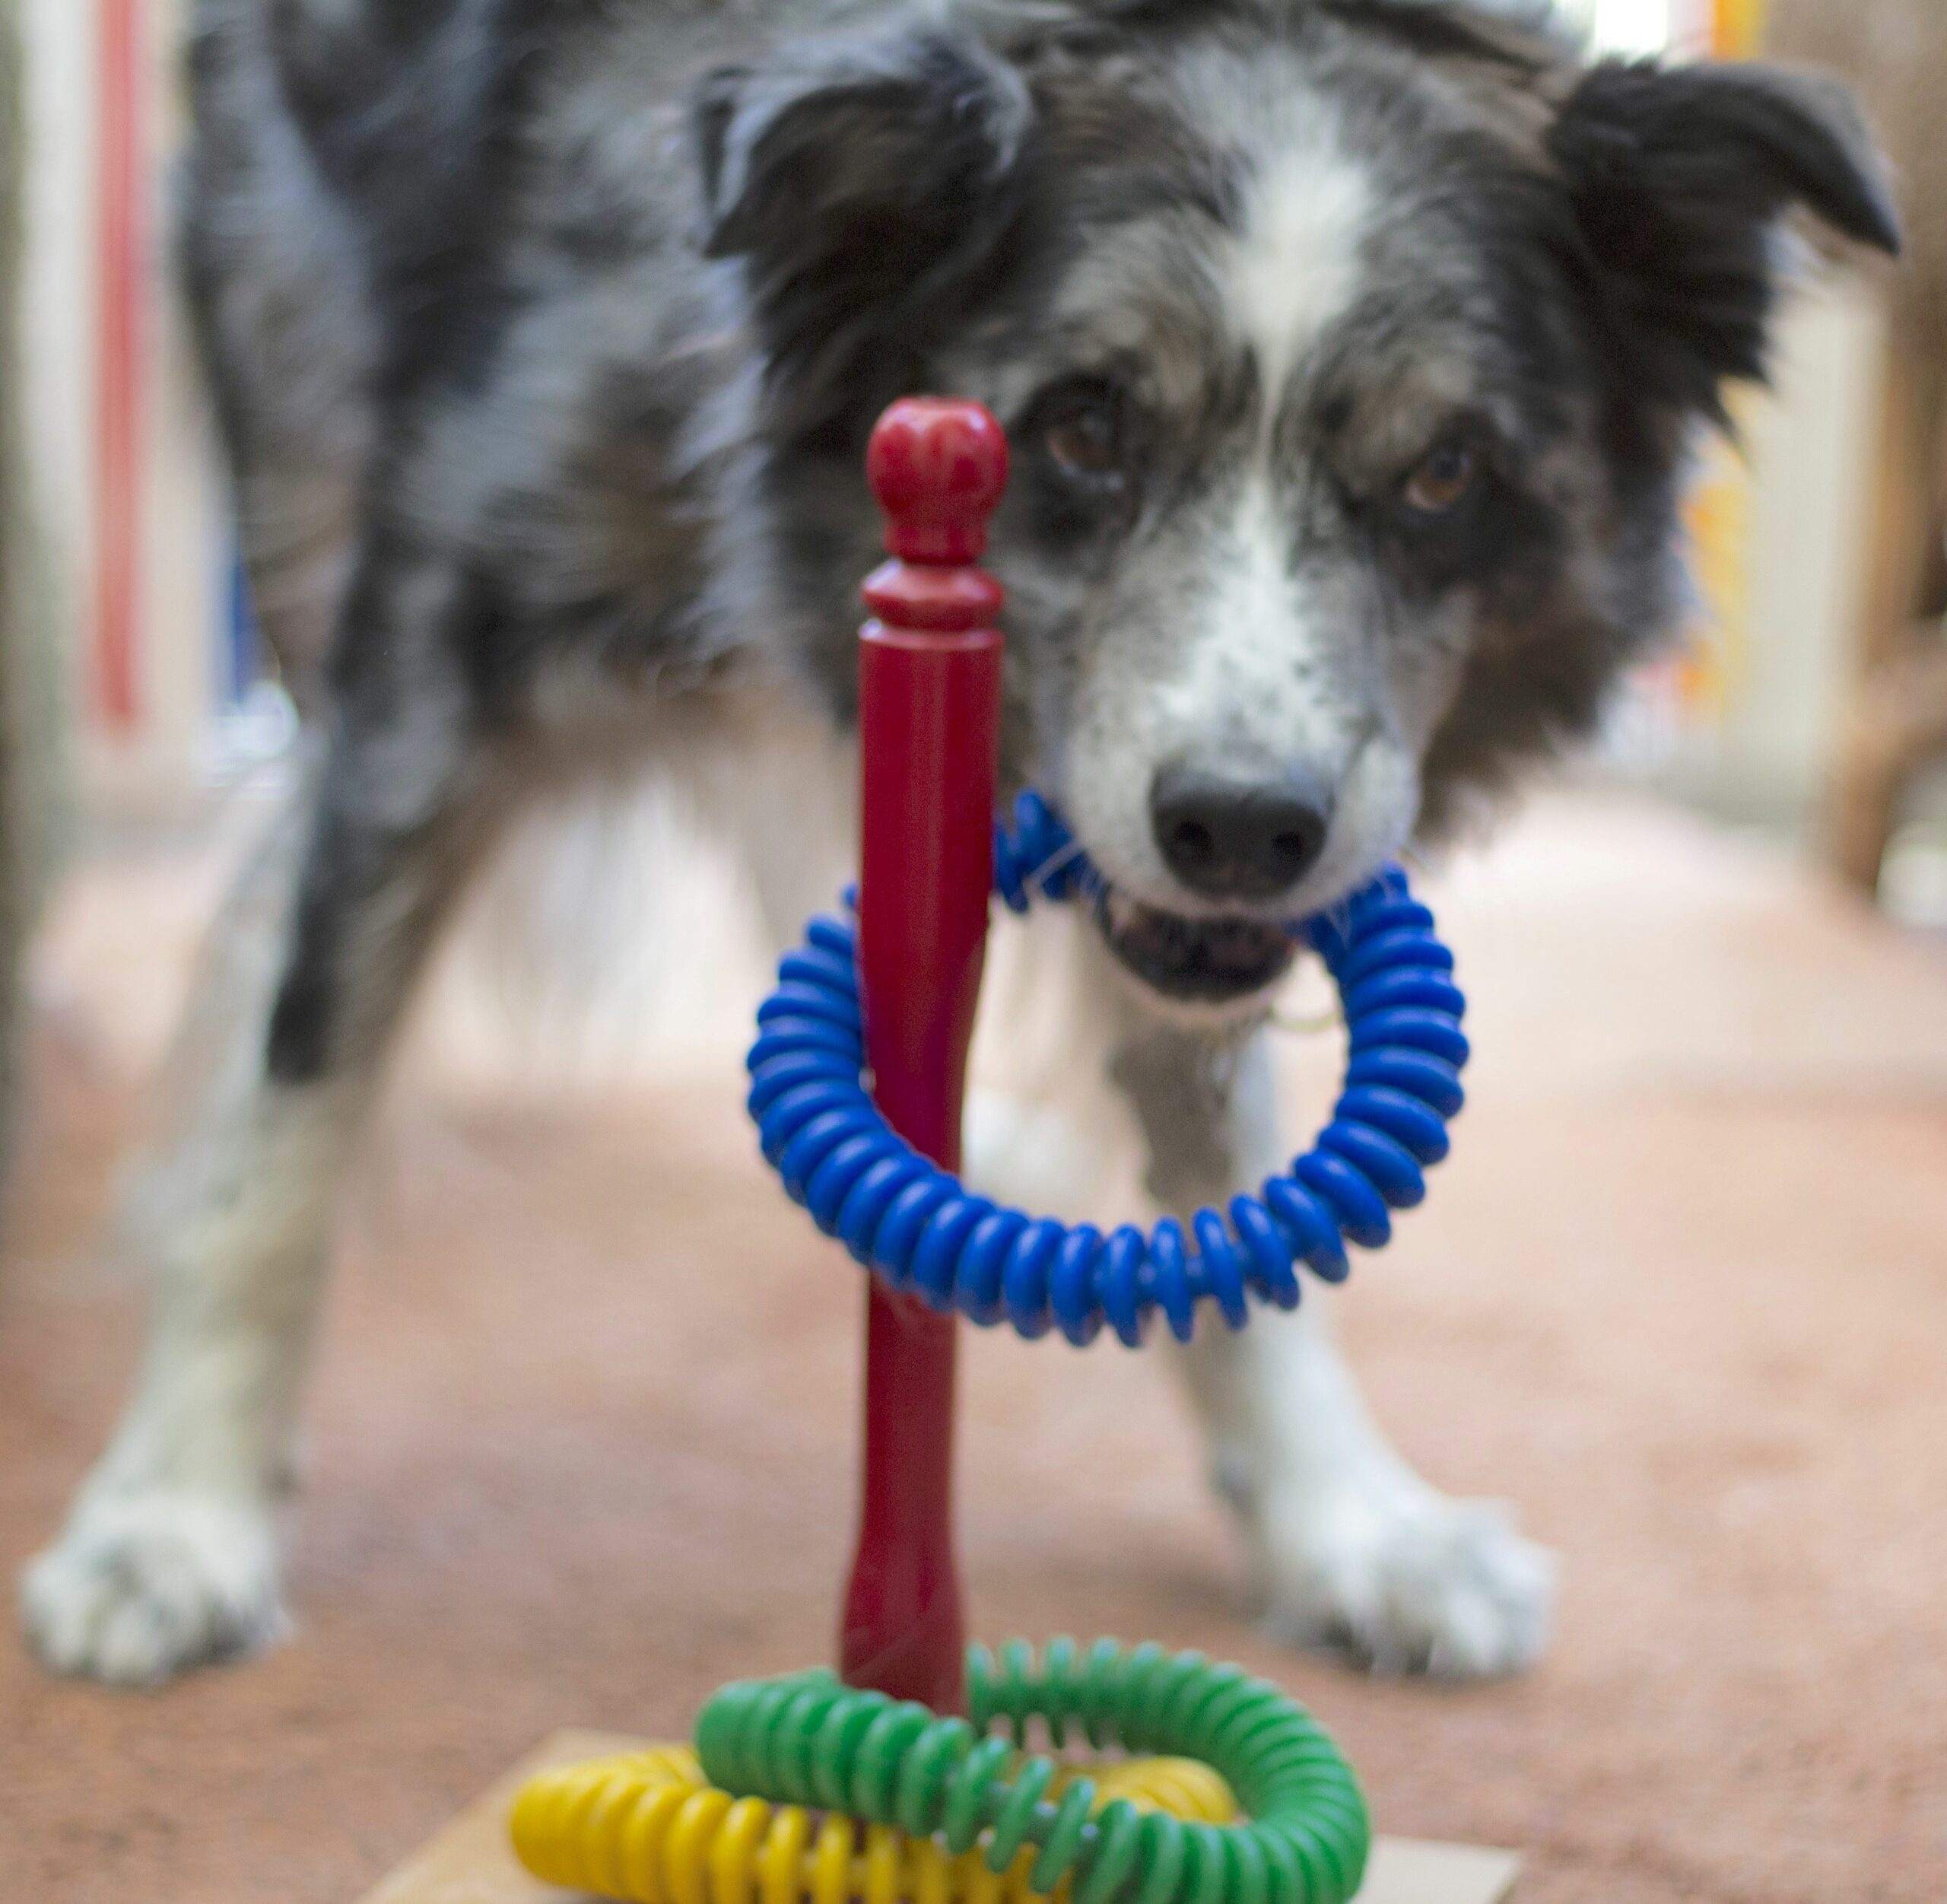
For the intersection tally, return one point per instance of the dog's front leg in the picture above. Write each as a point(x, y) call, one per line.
point(169, 1555)
point(1352, 1550)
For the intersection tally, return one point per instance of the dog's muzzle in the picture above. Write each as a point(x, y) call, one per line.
point(1208, 962)
point(1211, 961)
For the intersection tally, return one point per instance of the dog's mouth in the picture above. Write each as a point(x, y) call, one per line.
point(1208, 962)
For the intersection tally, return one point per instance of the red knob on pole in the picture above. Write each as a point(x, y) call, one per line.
point(930, 689)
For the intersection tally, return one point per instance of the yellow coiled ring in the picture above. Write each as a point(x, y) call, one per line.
point(646, 1828)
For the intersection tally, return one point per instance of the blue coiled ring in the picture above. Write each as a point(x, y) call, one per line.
point(924, 1232)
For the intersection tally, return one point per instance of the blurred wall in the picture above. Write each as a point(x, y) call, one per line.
point(1893, 54)
point(26, 760)
point(113, 414)
point(1747, 720)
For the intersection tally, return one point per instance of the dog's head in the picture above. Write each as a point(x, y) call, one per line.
point(1350, 349)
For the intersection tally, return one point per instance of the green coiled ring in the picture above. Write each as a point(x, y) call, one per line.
point(806, 1739)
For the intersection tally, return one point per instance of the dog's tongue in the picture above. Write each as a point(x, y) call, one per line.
point(1214, 960)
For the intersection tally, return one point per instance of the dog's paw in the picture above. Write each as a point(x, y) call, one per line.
point(141, 1586)
point(1405, 1581)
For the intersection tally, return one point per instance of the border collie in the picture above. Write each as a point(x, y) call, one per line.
point(1351, 350)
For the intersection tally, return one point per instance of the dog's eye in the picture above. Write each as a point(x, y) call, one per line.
point(1085, 440)
point(1443, 481)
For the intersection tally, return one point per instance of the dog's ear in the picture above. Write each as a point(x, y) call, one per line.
point(1678, 176)
point(866, 189)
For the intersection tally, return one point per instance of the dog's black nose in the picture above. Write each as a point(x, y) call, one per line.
point(1237, 839)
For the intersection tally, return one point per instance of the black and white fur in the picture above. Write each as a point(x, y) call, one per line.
point(1351, 350)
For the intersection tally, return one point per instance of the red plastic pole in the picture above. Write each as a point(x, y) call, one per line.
point(929, 684)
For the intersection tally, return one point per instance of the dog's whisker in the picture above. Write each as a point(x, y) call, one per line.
point(1054, 863)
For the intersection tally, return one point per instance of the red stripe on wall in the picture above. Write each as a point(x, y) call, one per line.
point(122, 202)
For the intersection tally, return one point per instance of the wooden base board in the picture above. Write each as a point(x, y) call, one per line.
point(470, 1862)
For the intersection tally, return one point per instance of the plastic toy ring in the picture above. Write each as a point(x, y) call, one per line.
point(807, 1740)
point(799, 1776)
point(919, 1228)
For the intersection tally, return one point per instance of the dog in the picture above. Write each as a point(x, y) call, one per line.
point(1350, 350)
